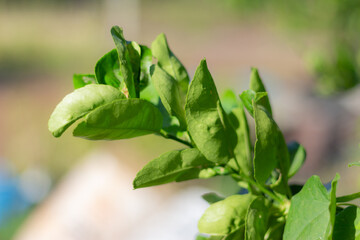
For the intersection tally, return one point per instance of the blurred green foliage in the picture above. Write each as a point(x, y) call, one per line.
point(328, 31)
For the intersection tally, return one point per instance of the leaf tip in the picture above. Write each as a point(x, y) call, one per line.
point(160, 37)
point(203, 63)
point(134, 184)
point(55, 131)
point(56, 134)
point(116, 28)
point(254, 70)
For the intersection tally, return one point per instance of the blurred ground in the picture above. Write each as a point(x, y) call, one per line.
point(42, 45)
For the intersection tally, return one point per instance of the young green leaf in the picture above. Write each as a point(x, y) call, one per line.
point(226, 216)
point(171, 166)
point(120, 119)
point(145, 63)
point(310, 215)
point(81, 80)
point(238, 121)
point(212, 197)
point(107, 70)
point(168, 61)
point(169, 93)
point(237, 235)
point(247, 97)
point(297, 157)
point(256, 219)
point(275, 231)
point(205, 118)
point(270, 147)
point(171, 125)
point(257, 85)
point(124, 61)
point(345, 221)
point(79, 103)
point(229, 101)
point(149, 93)
point(357, 224)
point(242, 149)
point(134, 50)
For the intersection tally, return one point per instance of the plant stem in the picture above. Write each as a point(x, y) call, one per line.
point(262, 188)
point(348, 198)
point(347, 204)
point(169, 136)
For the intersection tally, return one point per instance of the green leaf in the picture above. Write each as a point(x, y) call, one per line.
point(297, 157)
point(206, 119)
point(212, 197)
point(256, 219)
point(345, 223)
point(275, 232)
point(121, 119)
point(79, 103)
point(237, 235)
point(148, 91)
point(348, 198)
point(200, 237)
point(229, 101)
point(247, 97)
point(168, 61)
point(134, 50)
point(145, 63)
point(309, 215)
point(107, 70)
point(257, 85)
point(81, 80)
point(243, 148)
point(226, 216)
point(171, 166)
point(169, 93)
point(270, 147)
point(357, 224)
point(354, 164)
point(124, 61)
point(237, 118)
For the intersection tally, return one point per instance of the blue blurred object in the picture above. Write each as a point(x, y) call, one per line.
point(11, 200)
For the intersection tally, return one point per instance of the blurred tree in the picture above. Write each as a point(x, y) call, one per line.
point(331, 26)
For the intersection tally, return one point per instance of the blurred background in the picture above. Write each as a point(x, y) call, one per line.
point(69, 188)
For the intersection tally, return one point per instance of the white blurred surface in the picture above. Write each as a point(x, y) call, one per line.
point(96, 201)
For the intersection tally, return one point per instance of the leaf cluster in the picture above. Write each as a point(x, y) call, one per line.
point(137, 90)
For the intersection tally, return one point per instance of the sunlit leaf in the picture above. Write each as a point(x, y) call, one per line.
point(79, 103)
point(120, 119)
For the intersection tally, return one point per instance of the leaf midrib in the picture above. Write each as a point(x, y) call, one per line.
point(111, 128)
